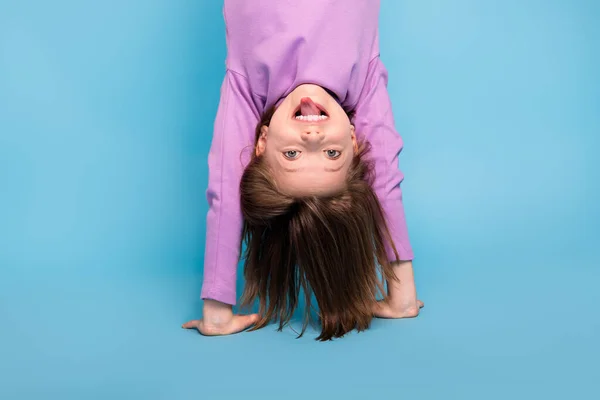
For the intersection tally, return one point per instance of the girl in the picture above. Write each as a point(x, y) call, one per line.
point(304, 167)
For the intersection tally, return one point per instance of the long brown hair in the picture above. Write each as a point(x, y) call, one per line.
point(329, 246)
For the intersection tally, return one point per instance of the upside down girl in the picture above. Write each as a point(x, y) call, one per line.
point(303, 168)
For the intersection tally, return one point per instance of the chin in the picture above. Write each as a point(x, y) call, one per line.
point(311, 90)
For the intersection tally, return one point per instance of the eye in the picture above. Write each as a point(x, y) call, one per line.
point(333, 154)
point(291, 154)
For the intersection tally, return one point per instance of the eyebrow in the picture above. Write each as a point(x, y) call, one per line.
point(326, 169)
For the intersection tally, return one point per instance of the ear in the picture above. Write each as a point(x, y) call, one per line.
point(261, 144)
point(353, 135)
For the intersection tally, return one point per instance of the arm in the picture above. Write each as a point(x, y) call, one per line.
point(233, 135)
point(231, 146)
point(374, 121)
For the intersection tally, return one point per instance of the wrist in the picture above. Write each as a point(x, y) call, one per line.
point(216, 306)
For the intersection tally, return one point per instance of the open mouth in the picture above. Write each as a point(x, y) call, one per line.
point(309, 111)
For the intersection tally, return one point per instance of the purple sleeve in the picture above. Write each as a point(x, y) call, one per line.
point(374, 121)
point(231, 146)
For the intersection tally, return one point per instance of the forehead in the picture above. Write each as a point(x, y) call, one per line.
point(310, 182)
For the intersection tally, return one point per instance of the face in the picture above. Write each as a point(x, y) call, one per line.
point(309, 143)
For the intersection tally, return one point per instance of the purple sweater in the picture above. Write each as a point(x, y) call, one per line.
point(272, 47)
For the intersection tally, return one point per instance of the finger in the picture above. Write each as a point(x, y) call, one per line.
point(382, 310)
point(385, 314)
point(191, 324)
point(242, 322)
point(420, 304)
point(377, 306)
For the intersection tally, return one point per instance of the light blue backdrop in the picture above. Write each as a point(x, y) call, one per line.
point(106, 112)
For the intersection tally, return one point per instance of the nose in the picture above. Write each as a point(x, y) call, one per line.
point(312, 135)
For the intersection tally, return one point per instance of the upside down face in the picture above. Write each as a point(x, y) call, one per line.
point(309, 143)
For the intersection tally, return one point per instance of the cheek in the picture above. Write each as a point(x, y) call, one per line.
point(279, 122)
point(340, 125)
point(341, 131)
point(277, 129)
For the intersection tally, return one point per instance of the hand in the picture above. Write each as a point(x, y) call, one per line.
point(218, 319)
point(402, 299)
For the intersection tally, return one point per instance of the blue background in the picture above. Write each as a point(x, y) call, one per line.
point(106, 112)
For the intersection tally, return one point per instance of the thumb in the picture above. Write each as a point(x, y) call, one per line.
point(243, 322)
point(191, 324)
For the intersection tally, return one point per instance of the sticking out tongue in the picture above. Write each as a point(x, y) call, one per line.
point(308, 107)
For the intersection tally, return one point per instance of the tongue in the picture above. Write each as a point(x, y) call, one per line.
point(308, 107)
